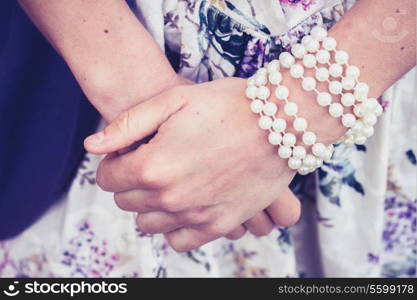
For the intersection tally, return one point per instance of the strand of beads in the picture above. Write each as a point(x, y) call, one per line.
point(298, 158)
point(314, 49)
point(365, 110)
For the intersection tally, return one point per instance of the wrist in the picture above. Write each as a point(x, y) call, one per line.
point(113, 90)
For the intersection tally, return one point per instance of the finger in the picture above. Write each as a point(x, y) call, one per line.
point(286, 210)
point(119, 173)
point(187, 239)
point(134, 170)
point(134, 124)
point(158, 222)
point(140, 201)
point(260, 224)
point(237, 233)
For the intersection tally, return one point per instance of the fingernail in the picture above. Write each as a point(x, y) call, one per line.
point(96, 139)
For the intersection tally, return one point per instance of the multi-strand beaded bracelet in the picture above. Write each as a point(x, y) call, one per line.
point(314, 52)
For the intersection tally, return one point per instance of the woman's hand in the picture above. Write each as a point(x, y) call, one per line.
point(208, 169)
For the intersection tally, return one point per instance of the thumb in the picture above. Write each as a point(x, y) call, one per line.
point(134, 124)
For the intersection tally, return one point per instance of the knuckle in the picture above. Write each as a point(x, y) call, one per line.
point(146, 173)
point(169, 202)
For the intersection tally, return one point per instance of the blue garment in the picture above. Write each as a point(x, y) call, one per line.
point(44, 117)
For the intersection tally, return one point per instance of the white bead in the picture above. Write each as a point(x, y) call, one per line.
point(348, 99)
point(263, 93)
point(335, 87)
point(251, 81)
point(251, 92)
point(279, 124)
point(256, 106)
point(368, 131)
point(306, 39)
point(360, 139)
point(331, 148)
point(348, 120)
point(299, 152)
point(361, 91)
point(294, 163)
point(312, 46)
point(370, 105)
point(324, 99)
point(318, 33)
point(303, 170)
point(309, 61)
point(349, 140)
point(309, 161)
point(309, 138)
point(297, 70)
point(282, 92)
point(335, 70)
point(369, 119)
point(291, 108)
point(274, 138)
point(335, 110)
point(275, 77)
point(298, 50)
point(318, 149)
point(322, 74)
point(265, 122)
point(270, 108)
point(348, 83)
point(358, 110)
point(300, 124)
point(327, 154)
point(341, 57)
point(260, 79)
point(286, 59)
point(358, 127)
point(378, 110)
point(353, 72)
point(319, 163)
point(308, 83)
point(273, 66)
point(284, 152)
point(262, 71)
point(329, 43)
point(289, 139)
point(323, 56)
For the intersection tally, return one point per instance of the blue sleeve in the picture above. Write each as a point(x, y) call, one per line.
point(44, 117)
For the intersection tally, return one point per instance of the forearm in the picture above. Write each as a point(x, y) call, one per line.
point(115, 60)
point(382, 56)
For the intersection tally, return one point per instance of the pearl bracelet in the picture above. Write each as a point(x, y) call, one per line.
point(298, 158)
point(365, 110)
point(314, 49)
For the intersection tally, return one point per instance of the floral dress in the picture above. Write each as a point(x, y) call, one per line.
point(358, 210)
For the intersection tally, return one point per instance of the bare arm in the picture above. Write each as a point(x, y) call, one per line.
point(380, 37)
point(115, 60)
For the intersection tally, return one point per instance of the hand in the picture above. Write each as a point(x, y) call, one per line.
point(207, 170)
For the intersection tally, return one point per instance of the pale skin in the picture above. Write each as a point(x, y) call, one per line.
point(209, 168)
point(103, 43)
